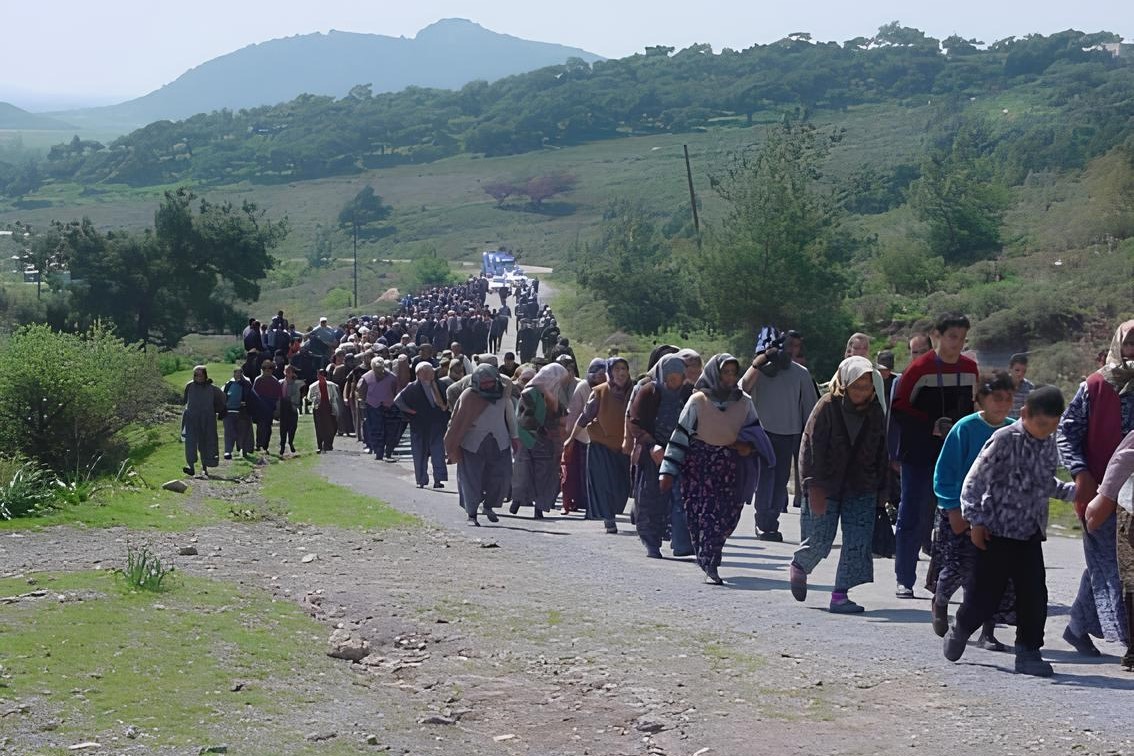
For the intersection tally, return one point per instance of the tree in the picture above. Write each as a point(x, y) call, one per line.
point(501, 190)
point(958, 199)
point(543, 188)
point(366, 210)
point(776, 257)
point(320, 253)
point(189, 273)
point(46, 254)
point(633, 270)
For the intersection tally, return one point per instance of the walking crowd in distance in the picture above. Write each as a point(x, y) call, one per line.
point(962, 462)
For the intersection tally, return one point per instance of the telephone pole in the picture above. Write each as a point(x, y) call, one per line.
point(354, 223)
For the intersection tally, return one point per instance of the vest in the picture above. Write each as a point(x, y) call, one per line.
point(607, 428)
point(716, 427)
point(1104, 425)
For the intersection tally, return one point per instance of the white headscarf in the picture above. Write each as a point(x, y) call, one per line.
point(853, 368)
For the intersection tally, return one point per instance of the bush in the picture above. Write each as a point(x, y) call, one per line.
point(26, 488)
point(235, 354)
point(66, 398)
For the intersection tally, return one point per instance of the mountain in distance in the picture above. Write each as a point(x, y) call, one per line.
point(446, 55)
point(15, 118)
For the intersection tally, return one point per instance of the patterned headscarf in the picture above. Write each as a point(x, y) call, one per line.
point(669, 364)
point(485, 371)
point(598, 365)
point(1117, 371)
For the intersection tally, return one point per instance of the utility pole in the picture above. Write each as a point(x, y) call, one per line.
point(354, 223)
point(692, 195)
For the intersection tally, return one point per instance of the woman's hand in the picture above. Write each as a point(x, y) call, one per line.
point(957, 521)
point(665, 483)
point(743, 448)
point(1098, 511)
point(657, 454)
point(817, 500)
point(1085, 489)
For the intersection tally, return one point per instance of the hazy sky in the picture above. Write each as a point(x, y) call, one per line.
point(123, 48)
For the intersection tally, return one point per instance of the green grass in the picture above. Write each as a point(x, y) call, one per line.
point(296, 489)
point(164, 664)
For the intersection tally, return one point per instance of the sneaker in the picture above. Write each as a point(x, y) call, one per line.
point(954, 644)
point(1029, 662)
point(845, 606)
point(940, 619)
point(798, 582)
point(1081, 643)
point(774, 536)
point(438, 484)
point(227, 456)
point(490, 514)
point(903, 592)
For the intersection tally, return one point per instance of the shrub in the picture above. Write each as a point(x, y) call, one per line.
point(66, 398)
point(26, 488)
point(144, 570)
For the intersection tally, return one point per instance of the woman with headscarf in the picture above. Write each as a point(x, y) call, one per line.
point(539, 417)
point(203, 404)
point(1091, 429)
point(608, 468)
point(844, 464)
point(573, 473)
point(326, 407)
point(480, 441)
point(654, 409)
point(705, 451)
point(424, 404)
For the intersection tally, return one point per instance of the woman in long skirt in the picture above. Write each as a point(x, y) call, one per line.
point(954, 549)
point(573, 475)
point(654, 410)
point(539, 417)
point(326, 405)
point(705, 451)
point(480, 439)
point(608, 468)
point(1116, 497)
point(425, 406)
point(1093, 426)
point(843, 461)
point(203, 402)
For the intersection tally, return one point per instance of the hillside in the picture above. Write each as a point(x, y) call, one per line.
point(13, 118)
point(444, 55)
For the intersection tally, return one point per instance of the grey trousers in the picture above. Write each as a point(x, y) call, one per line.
point(484, 475)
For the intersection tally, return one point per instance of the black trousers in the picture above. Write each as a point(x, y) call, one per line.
point(289, 422)
point(1021, 562)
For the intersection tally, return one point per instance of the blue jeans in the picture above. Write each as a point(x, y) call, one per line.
point(771, 494)
point(915, 519)
point(679, 539)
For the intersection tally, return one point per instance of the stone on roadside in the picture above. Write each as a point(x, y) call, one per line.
point(187, 551)
point(177, 486)
point(437, 719)
point(309, 558)
point(651, 724)
point(343, 645)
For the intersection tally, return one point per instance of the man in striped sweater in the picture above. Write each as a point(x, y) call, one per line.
point(935, 391)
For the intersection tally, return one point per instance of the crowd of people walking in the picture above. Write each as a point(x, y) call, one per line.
point(963, 462)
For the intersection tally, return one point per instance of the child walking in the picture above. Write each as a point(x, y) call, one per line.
point(955, 549)
point(1005, 500)
point(843, 462)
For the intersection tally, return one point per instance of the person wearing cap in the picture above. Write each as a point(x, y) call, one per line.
point(1018, 369)
point(321, 339)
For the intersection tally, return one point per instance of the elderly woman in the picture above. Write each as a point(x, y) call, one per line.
point(573, 476)
point(654, 411)
point(844, 463)
point(480, 440)
point(705, 450)
point(423, 403)
point(608, 468)
point(326, 407)
point(542, 407)
point(203, 404)
point(1092, 428)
